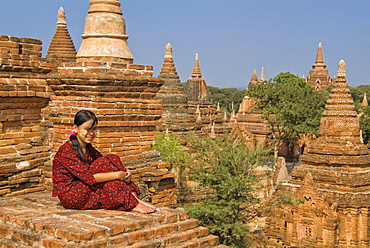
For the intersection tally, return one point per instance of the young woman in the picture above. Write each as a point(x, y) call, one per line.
point(85, 179)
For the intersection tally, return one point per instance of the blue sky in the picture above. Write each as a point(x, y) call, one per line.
point(231, 37)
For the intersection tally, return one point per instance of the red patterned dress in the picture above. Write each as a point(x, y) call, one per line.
point(75, 186)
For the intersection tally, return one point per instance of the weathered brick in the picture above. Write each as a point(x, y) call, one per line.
point(53, 243)
point(73, 233)
point(7, 150)
point(187, 224)
point(165, 229)
point(140, 235)
point(27, 237)
point(128, 224)
point(5, 230)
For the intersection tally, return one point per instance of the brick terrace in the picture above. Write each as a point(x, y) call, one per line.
point(38, 220)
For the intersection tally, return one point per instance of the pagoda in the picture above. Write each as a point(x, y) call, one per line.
point(331, 186)
point(248, 121)
point(200, 109)
point(319, 75)
point(61, 46)
point(175, 109)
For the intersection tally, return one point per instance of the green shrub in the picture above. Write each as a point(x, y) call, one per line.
point(226, 166)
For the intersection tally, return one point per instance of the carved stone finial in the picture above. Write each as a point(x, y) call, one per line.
point(168, 51)
point(168, 63)
point(341, 69)
point(61, 16)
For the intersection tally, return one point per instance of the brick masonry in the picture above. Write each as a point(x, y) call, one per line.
point(24, 92)
point(38, 104)
point(40, 221)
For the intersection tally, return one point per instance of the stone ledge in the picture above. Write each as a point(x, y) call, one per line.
point(40, 220)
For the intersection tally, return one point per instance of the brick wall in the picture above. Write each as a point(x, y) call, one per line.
point(24, 93)
point(38, 102)
point(122, 97)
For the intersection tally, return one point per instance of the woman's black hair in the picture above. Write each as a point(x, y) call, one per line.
point(81, 117)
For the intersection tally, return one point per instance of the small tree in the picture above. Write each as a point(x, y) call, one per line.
point(226, 167)
point(173, 152)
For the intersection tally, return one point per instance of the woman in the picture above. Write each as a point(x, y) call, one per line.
point(85, 179)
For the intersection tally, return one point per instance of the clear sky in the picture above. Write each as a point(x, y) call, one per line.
point(232, 37)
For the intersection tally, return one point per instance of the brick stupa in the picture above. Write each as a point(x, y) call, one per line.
point(332, 183)
point(319, 75)
point(201, 110)
point(196, 87)
point(61, 45)
point(175, 110)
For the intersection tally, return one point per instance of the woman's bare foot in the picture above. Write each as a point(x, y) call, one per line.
point(148, 205)
point(143, 209)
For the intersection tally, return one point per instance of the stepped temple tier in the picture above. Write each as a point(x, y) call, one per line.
point(332, 183)
point(175, 115)
point(61, 46)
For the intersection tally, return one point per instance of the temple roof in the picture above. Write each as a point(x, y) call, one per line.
point(196, 74)
point(168, 63)
point(196, 88)
point(61, 44)
point(319, 55)
point(254, 79)
point(318, 76)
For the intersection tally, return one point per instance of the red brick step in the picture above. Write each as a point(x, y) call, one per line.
point(40, 221)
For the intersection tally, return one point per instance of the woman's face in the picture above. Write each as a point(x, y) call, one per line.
point(85, 132)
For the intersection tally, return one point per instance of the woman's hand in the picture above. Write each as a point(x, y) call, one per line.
point(121, 175)
point(128, 176)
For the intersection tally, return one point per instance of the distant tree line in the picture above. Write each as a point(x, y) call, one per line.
point(228, 98)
